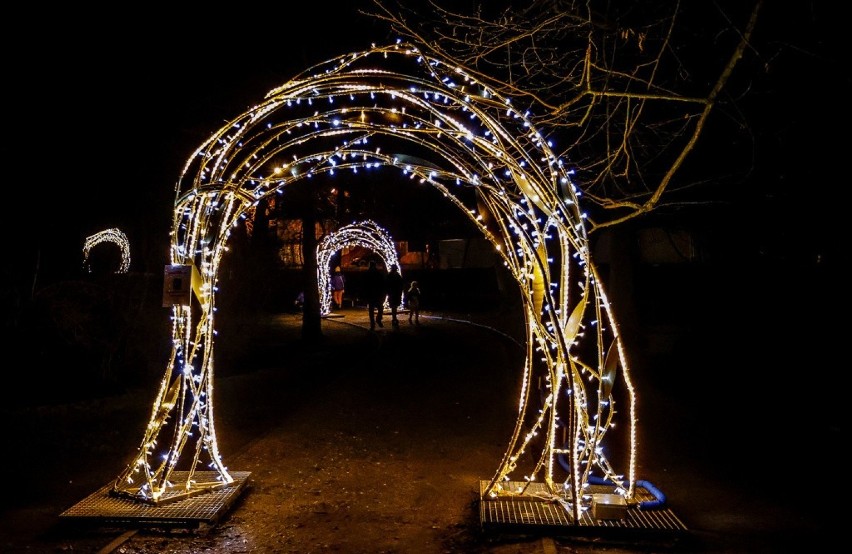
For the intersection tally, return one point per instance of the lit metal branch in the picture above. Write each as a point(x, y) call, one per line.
point(403, 115)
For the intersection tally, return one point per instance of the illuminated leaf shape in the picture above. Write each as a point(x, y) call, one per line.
point(610, 369)
point(572, 326)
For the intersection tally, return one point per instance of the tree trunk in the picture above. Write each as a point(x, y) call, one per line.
point(311, 317)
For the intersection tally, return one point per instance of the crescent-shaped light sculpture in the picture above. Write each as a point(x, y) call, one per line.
point(113, 235)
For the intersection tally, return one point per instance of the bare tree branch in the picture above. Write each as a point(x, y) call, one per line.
point(623, 92)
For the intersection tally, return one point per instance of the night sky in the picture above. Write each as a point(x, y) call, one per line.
point(103, 108)
point(107, 107)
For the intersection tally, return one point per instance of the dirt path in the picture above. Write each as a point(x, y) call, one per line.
point(376, 442)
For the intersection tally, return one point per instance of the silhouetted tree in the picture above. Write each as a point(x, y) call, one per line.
point(625, 89)
point(314, 202)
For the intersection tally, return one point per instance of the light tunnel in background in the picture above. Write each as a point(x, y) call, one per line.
point(112, 235)
point(367, 234)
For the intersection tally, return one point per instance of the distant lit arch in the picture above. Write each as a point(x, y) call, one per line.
point(367, 234)
point(394, 109)
point(114, 236)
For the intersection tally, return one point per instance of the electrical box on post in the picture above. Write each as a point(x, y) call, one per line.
point(177, 285)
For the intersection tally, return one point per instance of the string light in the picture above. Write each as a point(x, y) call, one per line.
point(399, 99)
point(112, 235)
point(367, 234)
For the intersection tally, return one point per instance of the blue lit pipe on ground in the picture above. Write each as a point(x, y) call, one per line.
point(659, 498)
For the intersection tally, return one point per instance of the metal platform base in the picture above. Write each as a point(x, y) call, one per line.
point(535, 513)
point(194, 514)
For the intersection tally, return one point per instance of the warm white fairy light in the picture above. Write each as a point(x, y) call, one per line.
point(362, 112)
point(115, 236)
point(367, 234)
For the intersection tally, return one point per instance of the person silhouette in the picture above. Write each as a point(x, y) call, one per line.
point(394, 289)
point(412, 300)
point(338, 286)
point(376, 293)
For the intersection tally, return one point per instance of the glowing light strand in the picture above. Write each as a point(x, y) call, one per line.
point(114, 236)
point(367, 234)
point(357, 112)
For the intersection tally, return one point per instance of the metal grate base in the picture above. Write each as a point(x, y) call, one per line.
point(196, 513)
point(536, 512)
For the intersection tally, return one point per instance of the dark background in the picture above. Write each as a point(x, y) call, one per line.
point(104, 107)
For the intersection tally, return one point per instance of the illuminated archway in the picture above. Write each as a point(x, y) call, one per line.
point(394, 109)
point(366, 233)
point(113, 235)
